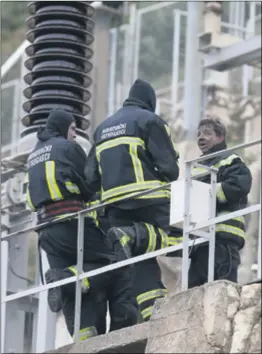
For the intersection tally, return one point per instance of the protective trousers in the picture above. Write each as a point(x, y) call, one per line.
point(146, 225)
point(227, 260)
point(113, 287)
point(144, 229)
point(58, 241)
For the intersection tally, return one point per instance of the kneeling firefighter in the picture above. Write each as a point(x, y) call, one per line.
point(134, 151)
point(56, 188)
point(147, 284)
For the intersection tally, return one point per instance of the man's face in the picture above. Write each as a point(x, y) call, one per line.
point(71, 135)
point(207, 138)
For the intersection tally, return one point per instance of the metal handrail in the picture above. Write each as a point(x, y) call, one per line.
point(221, 152)
point(133, 195)
point(187, 228)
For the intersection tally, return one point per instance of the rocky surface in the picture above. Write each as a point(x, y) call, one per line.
point(220, 317)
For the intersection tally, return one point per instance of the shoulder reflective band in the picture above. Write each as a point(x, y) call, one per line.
point(225, 162)
point(220, 193)
point(149, 295)
point(53, 188)
point(127, 140)
point(151, 239)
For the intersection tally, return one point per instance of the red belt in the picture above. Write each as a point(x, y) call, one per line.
point(60, 208)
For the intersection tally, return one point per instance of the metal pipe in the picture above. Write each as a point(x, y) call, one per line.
point(79, 267)
point(186, 225)
point(192, 82)
point(212, 228)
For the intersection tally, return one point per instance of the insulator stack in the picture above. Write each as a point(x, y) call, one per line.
point(60, 35)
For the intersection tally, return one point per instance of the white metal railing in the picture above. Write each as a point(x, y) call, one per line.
point(187, 230)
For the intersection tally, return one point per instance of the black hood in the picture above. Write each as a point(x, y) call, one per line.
point(143, 95)
point(57, 124)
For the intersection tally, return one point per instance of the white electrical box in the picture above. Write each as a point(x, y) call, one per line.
point(199, 202)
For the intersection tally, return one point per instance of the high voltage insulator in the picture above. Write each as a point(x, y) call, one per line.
point(60, 33)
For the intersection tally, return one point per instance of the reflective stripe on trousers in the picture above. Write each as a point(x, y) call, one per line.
point(88, 332)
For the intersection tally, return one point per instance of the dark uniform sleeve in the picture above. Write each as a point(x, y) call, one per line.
point(78, 159)
point(92, 174)
point(162, 149)
point(235, 181)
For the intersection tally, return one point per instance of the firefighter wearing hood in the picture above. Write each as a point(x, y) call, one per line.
point(134, 152)
point(56, 188)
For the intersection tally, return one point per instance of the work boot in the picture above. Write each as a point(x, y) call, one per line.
point(123, 240)
point(54, 297)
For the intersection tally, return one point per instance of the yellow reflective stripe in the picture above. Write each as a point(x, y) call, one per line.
point(152, 238)
point(53, 188)
point(28, 200)
point(173, 241)
point(164, 238)
point(124, 239)
point(72, 187)
point(85, 282)
point(87, 332)
point(149, 295)
point(147, 312)
point(158, 194)
point(230, 229)
point(119, 141)
point(139, 174)
point(220, 193)
point(225, 162)
point(238, 218)
point(197, 170)
point(132, 187)
point(170, 136)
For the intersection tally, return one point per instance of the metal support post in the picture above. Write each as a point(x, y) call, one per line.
point(79, 267)
point(192, 96)
point(185, 259)
point(131, 42)
point(235, 55)
point(46, 320)
point(102, 19)
point(176, 52)
point(112, 72)
point(4, 272)
point(259, 241)
point(212, 228)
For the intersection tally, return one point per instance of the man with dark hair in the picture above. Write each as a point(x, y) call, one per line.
point(133, 152)
point(55, 189)
point(234, 182)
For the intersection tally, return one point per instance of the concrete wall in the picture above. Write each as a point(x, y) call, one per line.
point(220, 317)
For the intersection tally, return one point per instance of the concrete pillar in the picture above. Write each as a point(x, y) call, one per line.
point(100, 76)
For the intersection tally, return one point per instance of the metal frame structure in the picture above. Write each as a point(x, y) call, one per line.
point(44, 322)
point(188, 229)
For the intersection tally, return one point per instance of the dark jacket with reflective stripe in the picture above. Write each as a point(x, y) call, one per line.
point(133, 151)
point(234, 182)
point(56, 172)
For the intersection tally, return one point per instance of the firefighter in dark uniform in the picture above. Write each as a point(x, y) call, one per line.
point(133, 152)
point(234, 182)
point(56, 187)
